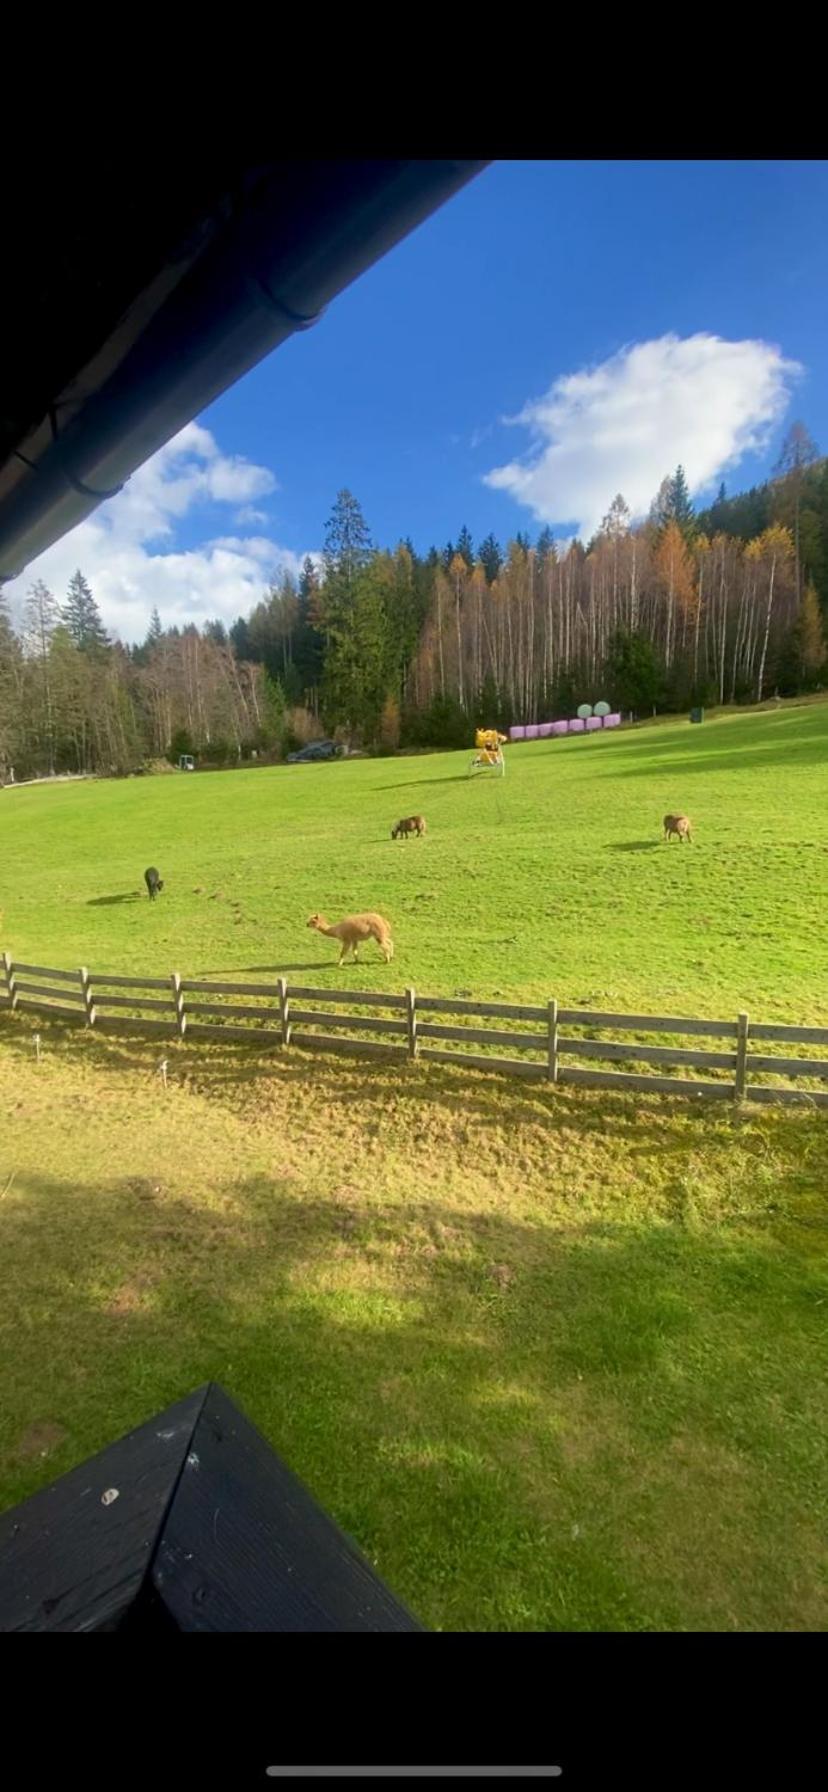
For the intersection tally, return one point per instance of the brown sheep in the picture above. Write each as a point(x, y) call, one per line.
point(411, 824)
point(678, 825)
point(353, 930)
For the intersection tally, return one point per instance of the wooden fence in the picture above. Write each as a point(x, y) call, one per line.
point(545, 1042)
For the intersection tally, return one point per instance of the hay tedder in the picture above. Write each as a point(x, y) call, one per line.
point(488, 752)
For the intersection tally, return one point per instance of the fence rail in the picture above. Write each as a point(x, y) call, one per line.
point(281, 1014)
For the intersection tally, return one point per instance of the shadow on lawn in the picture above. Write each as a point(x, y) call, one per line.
point(273, 970)
point(457, 1388)
point(110, 901)
point(635, 845)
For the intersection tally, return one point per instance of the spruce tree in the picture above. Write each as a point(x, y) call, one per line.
point(491, 557)
point(81, 616)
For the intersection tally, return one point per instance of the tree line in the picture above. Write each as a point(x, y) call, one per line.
point(390, 648)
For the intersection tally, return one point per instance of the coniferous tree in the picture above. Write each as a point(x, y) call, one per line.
point(81, 616)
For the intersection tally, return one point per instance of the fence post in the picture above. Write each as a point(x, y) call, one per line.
point(552, 1050)
point(86, 992)
point(411, 1021)
point(10, 984)
point(284, 1010)
point(741, 1058)
point(178, 999)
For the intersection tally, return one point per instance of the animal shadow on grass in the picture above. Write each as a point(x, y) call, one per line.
point(110, 901)
point(426, 783)
point(634, 845)
point(278, 970)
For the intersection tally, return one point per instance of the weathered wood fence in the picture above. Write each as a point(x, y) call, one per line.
point(551, 1044)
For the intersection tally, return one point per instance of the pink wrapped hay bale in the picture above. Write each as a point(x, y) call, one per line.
point(592, 723)
point(560, 727)
point(576, 726)
point(532, 731)
point(517, 733)
point(545, 729)
point(612, 721)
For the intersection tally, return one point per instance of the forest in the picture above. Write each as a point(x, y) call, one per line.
point(388, 649)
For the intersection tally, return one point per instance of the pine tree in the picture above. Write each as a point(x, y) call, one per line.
point(465, 547)
point(681, 509)
point(491, 557)
point(155, 631)
point(347, 539)
point(82, 617)
point(546, 545)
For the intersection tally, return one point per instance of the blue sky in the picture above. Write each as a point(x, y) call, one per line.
point(631, 314)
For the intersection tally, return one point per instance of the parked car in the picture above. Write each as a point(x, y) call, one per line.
point(317, 749)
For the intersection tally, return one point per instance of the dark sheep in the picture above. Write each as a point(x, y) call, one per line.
point(154, 883)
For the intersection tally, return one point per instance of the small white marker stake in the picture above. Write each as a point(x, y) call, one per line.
point(37, 1046)
point(162, 1071)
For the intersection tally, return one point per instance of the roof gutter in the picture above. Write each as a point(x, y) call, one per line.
point(310, 231)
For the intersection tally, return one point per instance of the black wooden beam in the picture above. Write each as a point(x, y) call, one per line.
point(191, 1523)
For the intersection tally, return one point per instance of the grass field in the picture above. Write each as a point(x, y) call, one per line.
point(556, 1359)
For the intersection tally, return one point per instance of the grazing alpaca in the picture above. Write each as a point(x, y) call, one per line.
point(678, 825)
point(353, 930)
point(153, 882)
point(410, 824)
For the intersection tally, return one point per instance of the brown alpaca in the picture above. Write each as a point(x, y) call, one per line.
point(678, 825)
point(353, 930)
point(411, 824)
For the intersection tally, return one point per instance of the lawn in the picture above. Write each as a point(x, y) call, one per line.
point(558, 1360)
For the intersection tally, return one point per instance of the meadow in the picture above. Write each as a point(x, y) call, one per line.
point(557, 1359)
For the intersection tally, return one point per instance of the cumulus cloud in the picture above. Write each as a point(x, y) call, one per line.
point(621, 426)
point(127, 548)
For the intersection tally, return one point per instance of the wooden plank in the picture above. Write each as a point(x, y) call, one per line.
point(456, 1005)
point(646, 1023)
point(8, 974)
point(536, 1042)
point(354, 1048)
point(107, 1001)
point(474, 1061)
point(233, 1010)
point(133, 1023)
point(361, 997)
point(552, 1044)
point(69, 1561)
point(39, 989)
point(801, 1035)
point(411, 1021)
point(240, 1035)
point(770, 1093)
point(789, 1066)
point(656, 1085)
point(316, 1017)
point(86, 994)
point(178, 1003)
point(284, 1011)
point(646, 1054)
point(199, 986)
point(42, 970)
point(130, 982)
point(245, 1547)
point(740, 1079)
point(55, 1009)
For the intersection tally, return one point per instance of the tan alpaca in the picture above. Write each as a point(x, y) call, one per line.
point(678, 825)
point(353, 930)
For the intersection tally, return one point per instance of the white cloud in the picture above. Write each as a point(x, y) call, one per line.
point(621, 426)
point(117, 547)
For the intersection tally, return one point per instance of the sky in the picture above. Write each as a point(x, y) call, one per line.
point(557, 333)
